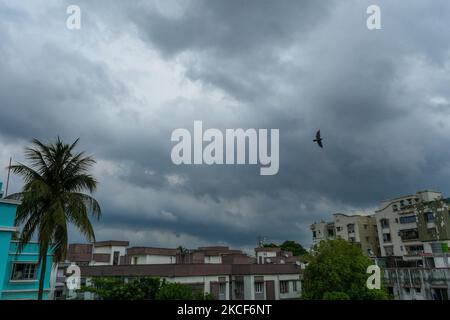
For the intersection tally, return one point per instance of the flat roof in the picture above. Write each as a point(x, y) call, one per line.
point(189, 270)
point(109, 243)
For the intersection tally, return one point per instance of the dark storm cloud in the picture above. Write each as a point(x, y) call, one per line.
point(380, 97)
point(229, 28)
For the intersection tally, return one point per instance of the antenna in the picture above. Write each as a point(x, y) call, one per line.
point(7, 179)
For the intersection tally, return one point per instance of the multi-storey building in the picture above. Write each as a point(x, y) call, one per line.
point(358, 229)
point(225, 281)
point(415, 228)
point(223, 272)
point(19, 272)
point(322, 231)
point(418, 283)
point(101, 253)
point(111, 252)
point(265, 255)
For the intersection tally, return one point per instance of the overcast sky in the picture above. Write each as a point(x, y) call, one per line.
point(137, 70)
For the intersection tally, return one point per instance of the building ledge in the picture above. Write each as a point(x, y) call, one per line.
point(23, 281)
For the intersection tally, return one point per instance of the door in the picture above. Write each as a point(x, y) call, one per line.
point(215, 289)
point(270, 290)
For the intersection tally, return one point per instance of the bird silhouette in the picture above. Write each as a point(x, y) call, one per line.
point(318, 139)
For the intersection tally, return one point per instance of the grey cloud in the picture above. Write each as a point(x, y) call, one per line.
point(293, 65)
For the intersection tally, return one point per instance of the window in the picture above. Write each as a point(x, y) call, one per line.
point(408, 219)
point(436, 247)
point(351, 228)
point(58, 294)
point(365, 226)
point(386, 237)
point(389, 250)
point(331, 232)
point(414, 250)
point(222, 288)
point(135, 260)
point(395, 208)
point(314, 234)
point(259, 287)
point(239, 289)
point(294, 285)
point(410, 234)
point(384, 223)
point(338, 229)
point(24, 271)
point(284, 286)
point(429, 216)
point(116, 258)
point(439, 294)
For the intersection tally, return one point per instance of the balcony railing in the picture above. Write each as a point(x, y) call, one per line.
point(414, 277)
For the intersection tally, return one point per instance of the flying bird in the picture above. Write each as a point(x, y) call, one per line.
point(318, 139)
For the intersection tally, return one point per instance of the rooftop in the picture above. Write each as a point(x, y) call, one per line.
point(184, 270)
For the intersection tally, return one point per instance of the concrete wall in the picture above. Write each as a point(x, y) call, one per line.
point(109, 250)
point(152, 259)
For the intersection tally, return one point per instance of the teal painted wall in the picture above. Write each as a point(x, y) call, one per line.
point(8, 255)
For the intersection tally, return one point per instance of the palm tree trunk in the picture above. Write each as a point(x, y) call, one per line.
point(42, 275)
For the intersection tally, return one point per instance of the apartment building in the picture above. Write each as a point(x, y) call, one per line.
point(358, 229)
point(322, 231)
point(19, 272)
point(111, 252)
point(208, 255)
point(418, 283)
point(225, 273)
point(415, 228)
point(100, 253)
point(267, 255)
point(224, 281)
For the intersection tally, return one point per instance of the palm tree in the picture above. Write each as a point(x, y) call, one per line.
point(52, 197)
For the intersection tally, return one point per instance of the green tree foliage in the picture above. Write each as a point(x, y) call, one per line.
point(270, 245)
point(289, 245)
point(178, 291)
point(335, 295)
point(337, 271)
point(295, 247)
point(52, 197)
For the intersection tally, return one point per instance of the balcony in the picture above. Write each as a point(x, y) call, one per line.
point(409, 235)
point(414, 277)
